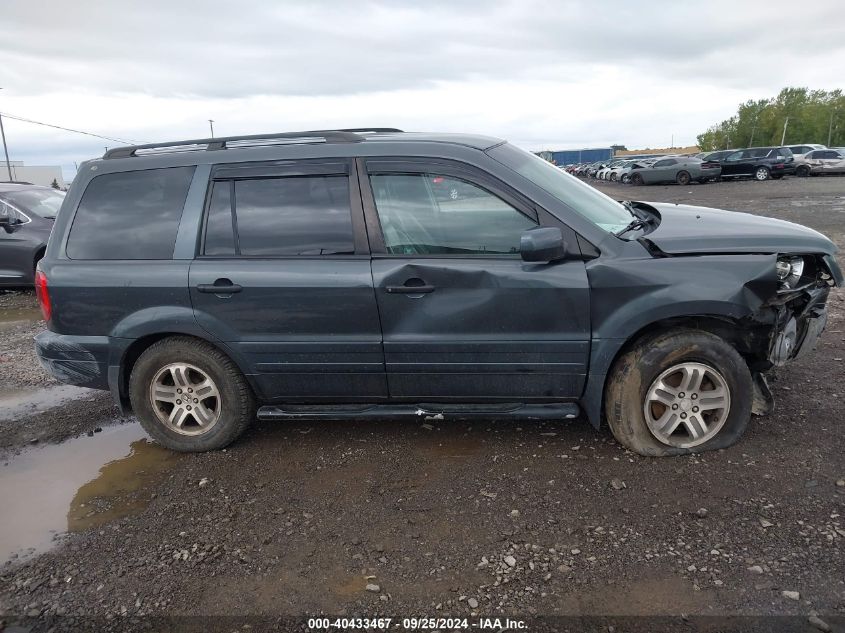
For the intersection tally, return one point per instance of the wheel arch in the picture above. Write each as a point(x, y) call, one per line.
point(729, 328)
point(119, 374)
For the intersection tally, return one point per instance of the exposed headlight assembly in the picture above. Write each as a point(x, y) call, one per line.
point(789, 269)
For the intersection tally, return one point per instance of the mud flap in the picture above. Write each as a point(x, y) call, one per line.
point(762, 403)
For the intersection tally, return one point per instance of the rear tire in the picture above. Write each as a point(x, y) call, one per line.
point(761, 174)
point(682, 178)
point(196, 363)
point(633, 382)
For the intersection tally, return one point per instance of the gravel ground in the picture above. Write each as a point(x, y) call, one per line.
point(360, 518)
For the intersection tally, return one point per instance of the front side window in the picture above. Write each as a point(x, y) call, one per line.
point(279, 217)
point(130, 215)
point(429, 214)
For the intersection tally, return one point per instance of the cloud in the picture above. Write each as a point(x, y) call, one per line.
point(542, 73)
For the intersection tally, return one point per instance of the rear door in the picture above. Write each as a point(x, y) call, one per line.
point(283, 277)
point(463, 317)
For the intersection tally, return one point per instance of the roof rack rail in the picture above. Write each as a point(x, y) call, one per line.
point(218, 143)
point(376, 130)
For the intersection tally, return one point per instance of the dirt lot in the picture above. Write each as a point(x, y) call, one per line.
point(402, 519)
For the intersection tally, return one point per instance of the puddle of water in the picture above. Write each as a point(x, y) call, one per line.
point(17, 403)
point(77, 485)
point(350, 586)
point(16, 315)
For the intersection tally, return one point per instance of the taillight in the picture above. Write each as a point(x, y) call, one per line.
point(778, 166)
point(43, 295)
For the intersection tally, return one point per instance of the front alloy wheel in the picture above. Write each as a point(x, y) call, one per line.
point(687, 405)
point(672, 392)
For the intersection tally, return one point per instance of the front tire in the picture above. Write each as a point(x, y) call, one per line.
point(678, 392)
point(636, 180)
point(189, 396)
point(802, 171)
point(682, 178)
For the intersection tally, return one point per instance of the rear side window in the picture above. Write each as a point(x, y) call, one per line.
point(277, 217)
point(130, 215)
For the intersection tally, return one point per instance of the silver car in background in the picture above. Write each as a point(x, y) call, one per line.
point(822, 161)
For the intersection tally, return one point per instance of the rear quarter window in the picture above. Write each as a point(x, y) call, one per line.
point(130, 215)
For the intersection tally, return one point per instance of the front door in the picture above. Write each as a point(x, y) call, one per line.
point(463, 317)
point(284, 279)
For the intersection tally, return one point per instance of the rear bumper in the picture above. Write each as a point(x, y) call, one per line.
point(75, 360)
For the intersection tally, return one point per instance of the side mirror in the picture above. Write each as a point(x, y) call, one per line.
point(542, 245)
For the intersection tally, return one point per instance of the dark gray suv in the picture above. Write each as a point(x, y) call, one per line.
point(323, 275)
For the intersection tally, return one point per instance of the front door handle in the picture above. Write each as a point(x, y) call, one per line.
point(220, 287)
point(412, 286)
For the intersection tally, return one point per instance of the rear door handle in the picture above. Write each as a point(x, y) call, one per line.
point(219, 287)
point(409, 290)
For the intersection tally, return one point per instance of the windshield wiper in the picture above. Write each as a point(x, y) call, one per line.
point(636, 223)
point(640, 220)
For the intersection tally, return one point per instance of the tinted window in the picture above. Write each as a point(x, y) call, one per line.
point(665, 162)
point(42, 202)
point(302, 215)
point(130, 215)
point(431, 214)
point(219, 238)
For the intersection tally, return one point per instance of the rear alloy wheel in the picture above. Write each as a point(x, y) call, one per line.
point(678, 392)
point(761, 173)
point(189, 396)
point(682, 178)
point(803, 171)
point(636, 180)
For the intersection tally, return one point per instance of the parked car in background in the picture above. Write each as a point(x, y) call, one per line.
point(624, 173)
point(719, 155)
point(760, 163)
point(604, 172)
point(617, 169)
point(26, 219)
point(679, 169)
point(822, 161)
point(798, 151)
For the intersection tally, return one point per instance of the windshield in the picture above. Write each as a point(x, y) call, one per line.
point(598, 208)
point(42, 202)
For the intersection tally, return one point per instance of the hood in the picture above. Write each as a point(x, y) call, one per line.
point(687, 230)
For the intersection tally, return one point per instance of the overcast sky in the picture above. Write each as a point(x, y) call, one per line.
point(545, 75)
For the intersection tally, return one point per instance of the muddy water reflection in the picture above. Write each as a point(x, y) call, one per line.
point(79, 484)
point(16, 403)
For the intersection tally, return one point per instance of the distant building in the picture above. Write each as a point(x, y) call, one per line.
point(564, 157)
point(36, 174)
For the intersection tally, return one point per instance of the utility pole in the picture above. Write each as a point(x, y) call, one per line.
point(783, 137)
point(5, 148)
point(211, 125)
point(830, 128)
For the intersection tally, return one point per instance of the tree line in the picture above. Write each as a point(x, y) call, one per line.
point(796, 115)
